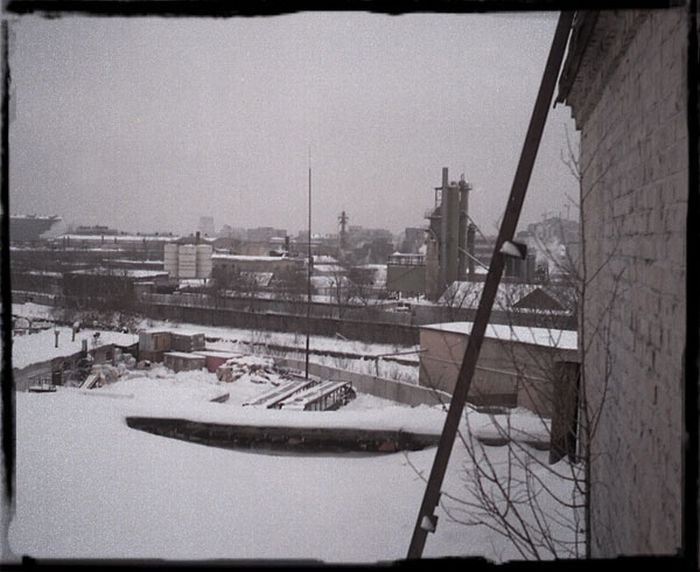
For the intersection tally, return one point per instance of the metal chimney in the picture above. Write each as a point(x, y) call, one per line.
point(464, 189)
point(471, 241)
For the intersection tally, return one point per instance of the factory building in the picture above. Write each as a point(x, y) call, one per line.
point(31, 228)
point(453, 251)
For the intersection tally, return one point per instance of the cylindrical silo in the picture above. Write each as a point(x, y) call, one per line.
point(187, 261)
point(204, 260)
point(170, 259)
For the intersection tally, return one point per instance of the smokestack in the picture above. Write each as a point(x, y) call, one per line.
point(442, 260)
point(463, 224)
point(196, 238)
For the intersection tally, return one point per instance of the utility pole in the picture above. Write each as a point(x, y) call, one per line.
point(308, 278)
point(427, 521)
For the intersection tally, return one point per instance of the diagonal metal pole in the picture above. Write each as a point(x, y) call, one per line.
point(426, 520)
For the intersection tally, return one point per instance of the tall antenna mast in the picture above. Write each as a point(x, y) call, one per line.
point(308, 277)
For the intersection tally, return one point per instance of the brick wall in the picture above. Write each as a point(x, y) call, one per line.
point(629, 101)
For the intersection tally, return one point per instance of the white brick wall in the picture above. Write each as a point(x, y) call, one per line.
point(634, 203)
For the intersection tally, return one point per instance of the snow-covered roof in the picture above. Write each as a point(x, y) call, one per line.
point(464, 294)
point(324, 259)
point(187, 333)
point(186, 282)
point(216, 353)
point(138, 273)
point(184, 355)
point(39, 347)
point(246, 257)
point(44, 273)
point(329, 281)
point(119, 237)
point(329, 268)
point(32, 310)
point(562, 339)
point(35, 217)
point(171, 330)
point(128, 272)
point(260, 278)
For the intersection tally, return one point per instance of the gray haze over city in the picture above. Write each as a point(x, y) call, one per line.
point(148, 124)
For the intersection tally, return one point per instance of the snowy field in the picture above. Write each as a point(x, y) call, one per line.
point(88, 486)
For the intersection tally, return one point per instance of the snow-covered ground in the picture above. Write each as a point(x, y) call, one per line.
point(88, 486)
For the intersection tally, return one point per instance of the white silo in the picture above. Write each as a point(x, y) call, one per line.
point(170, 259)
point(204, 260)
point(187, 261)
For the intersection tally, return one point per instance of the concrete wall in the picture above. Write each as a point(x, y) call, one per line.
point(154, 305)
point(630, 104)
point(401, 392)
point(508, 373)
point(386, 333)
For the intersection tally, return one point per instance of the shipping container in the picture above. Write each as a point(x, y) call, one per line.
point(187, 341)
point(182, 361)
point(215, 358)
point(154, 341)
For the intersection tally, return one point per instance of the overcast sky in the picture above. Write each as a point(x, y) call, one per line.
point(146, 124)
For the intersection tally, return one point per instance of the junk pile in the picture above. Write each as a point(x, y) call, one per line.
point(257, 369)
point(104, 373)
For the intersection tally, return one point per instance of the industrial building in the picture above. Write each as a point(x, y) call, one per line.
point(245, 263)
point(107, 287)
point(518, 366)
point(31, 228)
point(555, 243)
point(453, 251)
point(145, 246)
point(413, 240)
point(445, 259)
point(405, 273)
point(264, 234)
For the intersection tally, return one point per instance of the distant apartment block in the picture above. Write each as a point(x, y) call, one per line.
point(206, 226)
point(264, 233)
